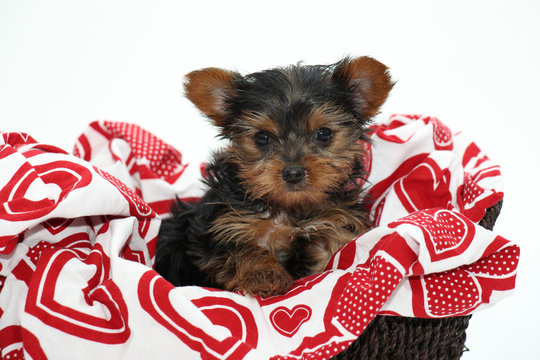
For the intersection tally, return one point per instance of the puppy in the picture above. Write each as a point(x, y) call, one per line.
point(285, 194)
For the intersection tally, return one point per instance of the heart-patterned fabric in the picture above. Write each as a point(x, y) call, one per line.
point(78, 236)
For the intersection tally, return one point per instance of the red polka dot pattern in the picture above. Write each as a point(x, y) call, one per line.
point(137, 205)
point(451, 293)
point(323, 352)
point(500, 264)
point(471, 190)
point(34, 254)
point(164, 160)
point(367, 291)
point(446, 230)
point(442, 136)
point(327, 351)
point(14, 355)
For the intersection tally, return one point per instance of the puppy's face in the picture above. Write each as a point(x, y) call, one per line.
point(295, 132)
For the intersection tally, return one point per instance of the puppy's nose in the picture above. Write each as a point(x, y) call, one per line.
point(293, 174)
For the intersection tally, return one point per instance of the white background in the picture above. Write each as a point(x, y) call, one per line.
point(473, 64)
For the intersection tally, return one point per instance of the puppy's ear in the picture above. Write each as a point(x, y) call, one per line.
point(368, 80)
point(209, 89)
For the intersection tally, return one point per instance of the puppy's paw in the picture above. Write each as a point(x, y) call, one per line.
point(267, 282)
point(262, 278)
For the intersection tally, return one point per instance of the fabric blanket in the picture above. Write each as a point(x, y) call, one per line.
point(78, 236)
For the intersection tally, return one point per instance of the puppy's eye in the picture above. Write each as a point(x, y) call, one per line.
point(262, 138)
point(324, 134)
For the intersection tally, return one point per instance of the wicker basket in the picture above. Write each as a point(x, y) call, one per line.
point(406, 338)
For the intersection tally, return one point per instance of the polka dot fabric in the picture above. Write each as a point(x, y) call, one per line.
point(15, 355)
point(447, 233)
point(35, 252)
point(164, 160)
point(497, 265)
point(76, 266)
point(136, 204)
point(442, 136)
point(426, 162)
point(143, 166)
point(368, 290)
point(454, 293)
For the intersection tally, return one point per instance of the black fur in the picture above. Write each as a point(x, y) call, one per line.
point(285, 94)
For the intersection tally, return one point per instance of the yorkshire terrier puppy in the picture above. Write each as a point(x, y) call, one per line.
point(284, 194)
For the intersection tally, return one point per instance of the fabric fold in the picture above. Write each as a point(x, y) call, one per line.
point(78, 236)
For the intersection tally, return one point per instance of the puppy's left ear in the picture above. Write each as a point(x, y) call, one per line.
point(210, 89)
point(369, 81)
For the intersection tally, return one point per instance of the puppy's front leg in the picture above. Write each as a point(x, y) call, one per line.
point(255, 271)
point(244, 256)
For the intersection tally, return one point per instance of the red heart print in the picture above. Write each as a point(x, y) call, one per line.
point(19, 194)
point(446, 233)
point(154, 297)
point(426, 186)
point(51, 297)
point(450, 293)
point(57, 225)
point(288, 321)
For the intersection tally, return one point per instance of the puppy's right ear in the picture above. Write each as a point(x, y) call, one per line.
point(367, 79)
point(209, 89)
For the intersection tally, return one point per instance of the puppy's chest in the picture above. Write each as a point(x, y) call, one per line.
point(287, 234)
point(276, 232)
point(283, 234)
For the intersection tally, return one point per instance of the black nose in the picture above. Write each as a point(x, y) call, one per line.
point(293, 174)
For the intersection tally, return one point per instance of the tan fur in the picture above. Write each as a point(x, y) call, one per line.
point(326, 171)
point(370, 79)
point(208, 89)
point(254, 268)
point(261, 237)
point(330, 230)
